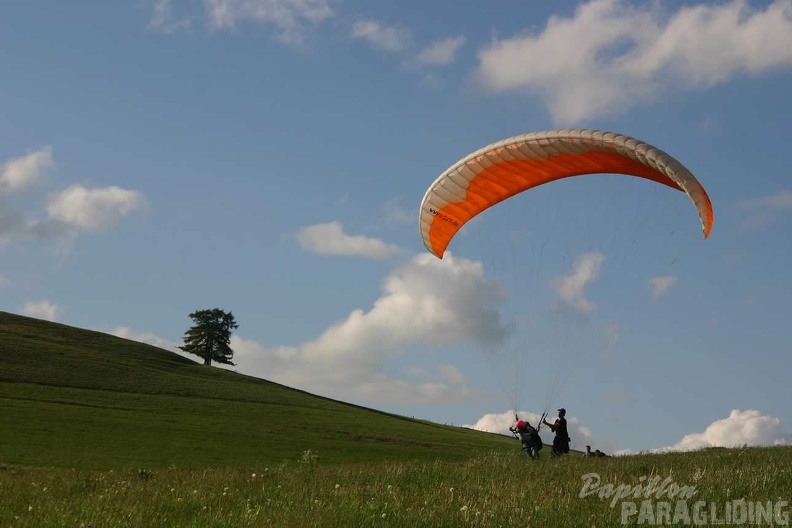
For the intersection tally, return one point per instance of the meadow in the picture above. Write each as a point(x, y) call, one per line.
point(494, 489)
point(97, 431)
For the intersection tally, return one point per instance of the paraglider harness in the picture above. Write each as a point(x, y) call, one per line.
point(530, 440)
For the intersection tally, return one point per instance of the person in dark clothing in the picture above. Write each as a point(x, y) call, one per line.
point(561, 439)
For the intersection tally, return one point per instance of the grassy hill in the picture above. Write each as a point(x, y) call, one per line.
point(75, 398)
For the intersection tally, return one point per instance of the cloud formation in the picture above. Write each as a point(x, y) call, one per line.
point(749, 427)
point(611, 54)
point(330, 239)
point(439, 53)
point(70, 211)
point(765, 210)
point(162, 18)
point(389, 38)
point(289, 17)
point(21, 173)
point(93, 209)
point(41, 310)
point(148, 338)
point(658, 286)
point(426, 301)
point(571, 287)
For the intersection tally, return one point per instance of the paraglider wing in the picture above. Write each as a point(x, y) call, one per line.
point(506, 168)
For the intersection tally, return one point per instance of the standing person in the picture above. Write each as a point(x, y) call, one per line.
point(559, 427)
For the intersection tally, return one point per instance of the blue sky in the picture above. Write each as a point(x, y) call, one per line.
point(269, 157)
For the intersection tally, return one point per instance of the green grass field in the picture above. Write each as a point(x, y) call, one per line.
point(99, 431)
point(496, 489)
point(73, 398)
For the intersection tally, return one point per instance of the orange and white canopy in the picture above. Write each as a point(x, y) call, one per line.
point(506, 168)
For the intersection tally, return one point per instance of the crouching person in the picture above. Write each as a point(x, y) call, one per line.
point(528, 436)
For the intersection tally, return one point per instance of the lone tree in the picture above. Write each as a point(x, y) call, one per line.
point(210, 336)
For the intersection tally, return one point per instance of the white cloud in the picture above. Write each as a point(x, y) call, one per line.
point(500, 422)
point(330, 239)
point(439, 53)
point(427, 301)
point(41, 310)
point(162, 18)
point(571, 287)
point(765, 210)
point(25, 171)
point(611, 55)
point(148, 338)
point(388, 38)
point(658, 286)
point(289, 17)
point(779, 200)
point(96, 209)
point(749, 427)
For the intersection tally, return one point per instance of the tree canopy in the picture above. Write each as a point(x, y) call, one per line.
point(210, 336)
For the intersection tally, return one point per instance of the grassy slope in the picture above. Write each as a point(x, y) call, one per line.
point(77, 398)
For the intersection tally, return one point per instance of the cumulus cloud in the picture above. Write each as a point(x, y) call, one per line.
point(658, 286)
point(426, 301)
point(610, 54)
point(25, 171)
point(162, 17)
point(439, 53)
point(41, 310)
point(69, 211)
point(289, 17)
point(93, 209)
point(330, 239)
point(389, 38)
point(749, 427)
point(571, 287)
point(148, 338)
point(765, 210)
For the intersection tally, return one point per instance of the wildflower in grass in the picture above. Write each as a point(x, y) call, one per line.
point(337, 486)
point(384, 515)
point(463, 509)
point(253, 475)
point(30, 508)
